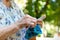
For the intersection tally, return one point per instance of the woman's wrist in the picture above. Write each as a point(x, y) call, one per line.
point(18, 25)
point(15, 26)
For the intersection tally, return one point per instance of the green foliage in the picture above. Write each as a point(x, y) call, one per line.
point(51, 8)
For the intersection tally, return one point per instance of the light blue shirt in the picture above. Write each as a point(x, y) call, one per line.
point(9, 16)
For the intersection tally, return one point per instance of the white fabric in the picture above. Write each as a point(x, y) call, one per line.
point(9, 16)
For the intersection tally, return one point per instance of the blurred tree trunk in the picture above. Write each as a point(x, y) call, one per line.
point(40, 12)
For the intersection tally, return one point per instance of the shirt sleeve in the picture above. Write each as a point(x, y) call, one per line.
point(19, 10)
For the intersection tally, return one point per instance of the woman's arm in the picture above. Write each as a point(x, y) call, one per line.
point(7, 31)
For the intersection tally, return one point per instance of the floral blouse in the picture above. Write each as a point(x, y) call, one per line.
point(9, 16)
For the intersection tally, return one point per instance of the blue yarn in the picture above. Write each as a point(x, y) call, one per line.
point(33, 31)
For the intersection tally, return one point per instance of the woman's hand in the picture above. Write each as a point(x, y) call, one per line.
point(27, 21)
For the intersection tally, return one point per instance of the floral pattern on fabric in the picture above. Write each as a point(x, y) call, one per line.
point(9, 16)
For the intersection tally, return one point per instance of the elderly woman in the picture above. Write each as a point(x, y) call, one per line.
point(13, 21)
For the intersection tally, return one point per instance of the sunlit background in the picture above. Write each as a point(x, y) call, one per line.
point(51, 8)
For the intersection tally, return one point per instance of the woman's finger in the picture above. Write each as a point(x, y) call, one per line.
point(28, 16)
point(32, 21)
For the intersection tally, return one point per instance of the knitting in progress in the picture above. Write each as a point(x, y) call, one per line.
point(31, 32)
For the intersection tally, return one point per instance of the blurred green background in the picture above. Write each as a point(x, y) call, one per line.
point(50, 8)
